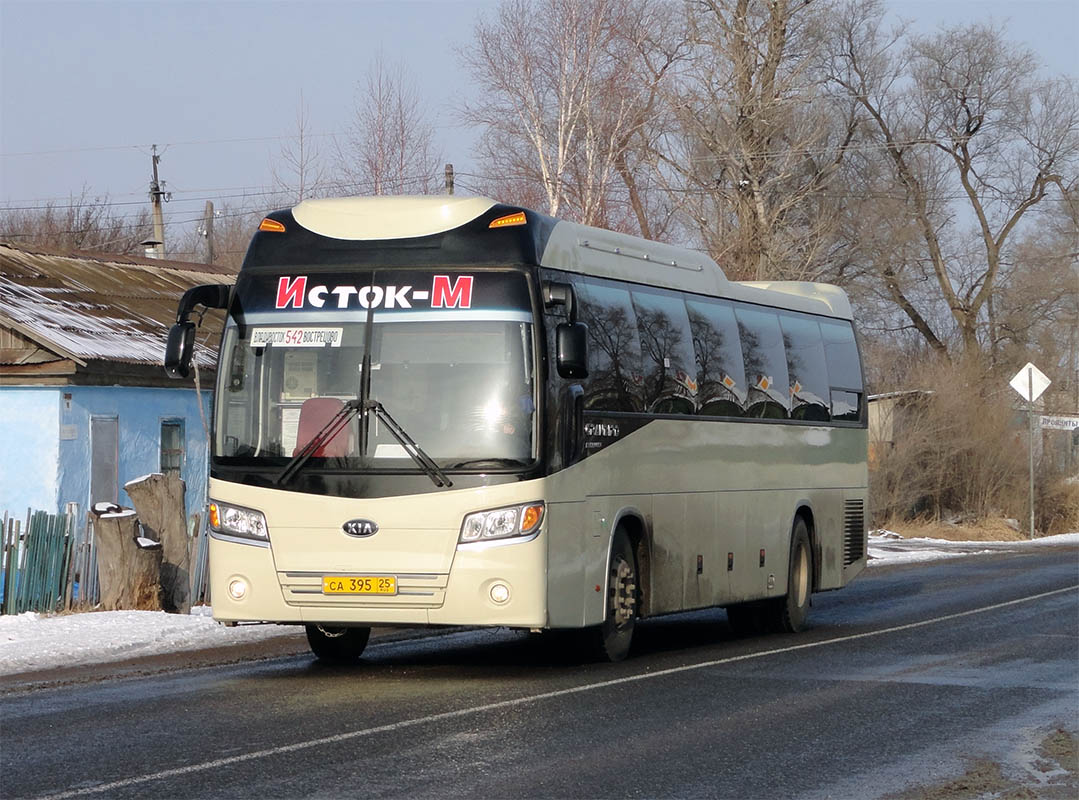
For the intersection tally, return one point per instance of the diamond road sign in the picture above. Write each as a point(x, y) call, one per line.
point(1030, 382)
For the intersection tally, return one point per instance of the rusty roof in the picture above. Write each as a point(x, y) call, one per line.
point(100, 307)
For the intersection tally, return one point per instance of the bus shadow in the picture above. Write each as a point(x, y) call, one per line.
point(482, 653)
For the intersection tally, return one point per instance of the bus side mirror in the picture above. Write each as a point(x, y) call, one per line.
point(571, 343)
point(180, 349)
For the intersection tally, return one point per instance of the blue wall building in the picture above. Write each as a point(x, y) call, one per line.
point(81, 444)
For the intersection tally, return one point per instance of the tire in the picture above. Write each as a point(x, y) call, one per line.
point(338, 645)
point(611, 640)
point(789, 613)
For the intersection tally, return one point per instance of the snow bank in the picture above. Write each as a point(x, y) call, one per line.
point(32, 641)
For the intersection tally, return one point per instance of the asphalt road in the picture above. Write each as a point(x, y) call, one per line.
point(911, 682)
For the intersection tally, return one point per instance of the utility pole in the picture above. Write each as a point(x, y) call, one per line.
point(156, 195)
point(449, 179)
point(208, 231)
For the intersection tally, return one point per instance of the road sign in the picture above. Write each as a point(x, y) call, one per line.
point(1030, 382)
point(1060, 423)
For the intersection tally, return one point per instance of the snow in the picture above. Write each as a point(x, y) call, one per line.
point(36, 642)
point(141, 478)
point(888, 547)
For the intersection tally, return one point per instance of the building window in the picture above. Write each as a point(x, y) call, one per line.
point(172, 445)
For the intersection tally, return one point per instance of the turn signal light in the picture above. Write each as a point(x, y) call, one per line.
point(509, 220)
point(271, 226)
point(531, 518)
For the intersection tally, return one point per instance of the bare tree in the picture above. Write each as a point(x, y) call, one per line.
point(970, 132)
point(1034, 314)
point(389, 147)
point(234, 225)
point(85, 222)
point(761, 142)
point(298, 171)
point(570, 88)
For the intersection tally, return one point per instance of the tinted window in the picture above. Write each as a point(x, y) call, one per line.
point(614, 351)
point(765, 363)
point(721, 375)
point(841, 353)
point(844, 370)
point(805, 368)
point(670, 382)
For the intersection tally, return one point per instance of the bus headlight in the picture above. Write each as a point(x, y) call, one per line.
point(502, 523)
point(238, 521)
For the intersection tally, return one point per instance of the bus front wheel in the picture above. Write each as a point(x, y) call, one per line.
point(337, 644)
point(611, 640)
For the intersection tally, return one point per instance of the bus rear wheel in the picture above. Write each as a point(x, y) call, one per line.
point(611, 640)
point(788, 614)
point(338, 645)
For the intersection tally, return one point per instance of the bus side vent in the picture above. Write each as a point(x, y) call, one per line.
point(854, 531)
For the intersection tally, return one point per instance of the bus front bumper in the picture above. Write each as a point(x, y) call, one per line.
point(488, 585)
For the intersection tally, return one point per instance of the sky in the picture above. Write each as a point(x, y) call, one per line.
point(31, 641)
point(87, 87)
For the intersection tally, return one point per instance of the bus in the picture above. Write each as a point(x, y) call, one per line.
point(444, 410)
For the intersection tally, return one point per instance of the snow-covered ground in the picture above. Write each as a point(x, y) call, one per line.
point(31, 641)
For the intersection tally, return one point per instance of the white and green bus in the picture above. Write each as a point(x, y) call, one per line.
point(448, 411)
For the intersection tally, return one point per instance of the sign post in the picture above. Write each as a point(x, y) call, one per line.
point(1030, 382)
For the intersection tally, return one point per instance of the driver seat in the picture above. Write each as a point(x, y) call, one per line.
point(314, 414)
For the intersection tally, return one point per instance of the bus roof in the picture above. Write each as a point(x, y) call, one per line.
point(382, 217)
point(569, 246)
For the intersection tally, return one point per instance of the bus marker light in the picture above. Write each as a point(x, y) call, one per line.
point(509, 220)
point(271, 226)
point(500, 593)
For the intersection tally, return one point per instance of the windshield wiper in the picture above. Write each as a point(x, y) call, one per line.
point(489, 462)
point(335, 425)
point(338, 422)
point(424, 461)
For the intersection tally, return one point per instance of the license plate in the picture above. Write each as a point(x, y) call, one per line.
point(359, 584)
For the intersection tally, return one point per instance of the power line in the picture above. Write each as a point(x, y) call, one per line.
point(245, 140)
point(205, 194)
point(172, 220)
point(703, 192)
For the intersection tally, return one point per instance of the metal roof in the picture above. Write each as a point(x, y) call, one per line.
point(88, 307)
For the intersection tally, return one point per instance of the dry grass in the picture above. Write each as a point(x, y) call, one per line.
point(992, 529)
point(959, 451)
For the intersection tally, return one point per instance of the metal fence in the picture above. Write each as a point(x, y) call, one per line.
point(48, 562)
point(36, 566)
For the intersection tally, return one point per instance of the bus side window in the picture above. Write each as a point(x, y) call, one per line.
point(614, 350)
point(670, 379)
point(805, 365)
point(721, 374)
point(765, 363)
point(844, 370)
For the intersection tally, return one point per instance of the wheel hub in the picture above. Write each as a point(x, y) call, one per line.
point(623, 592)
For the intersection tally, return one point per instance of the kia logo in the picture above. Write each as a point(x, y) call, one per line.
point(360, 527)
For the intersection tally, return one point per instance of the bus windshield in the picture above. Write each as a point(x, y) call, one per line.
point(462, 389)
